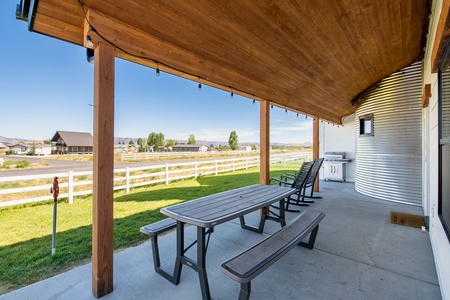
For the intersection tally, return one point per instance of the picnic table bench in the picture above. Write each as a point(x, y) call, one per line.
point(247, 265)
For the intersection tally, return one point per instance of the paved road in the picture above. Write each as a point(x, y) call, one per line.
point(60, 166)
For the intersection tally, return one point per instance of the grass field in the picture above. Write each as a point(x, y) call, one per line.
point(25, 241)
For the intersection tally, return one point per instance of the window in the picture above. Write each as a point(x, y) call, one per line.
point(366, 125)
point(444, 147)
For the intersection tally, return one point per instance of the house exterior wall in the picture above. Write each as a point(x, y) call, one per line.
point(439, 240)
point(342, 138)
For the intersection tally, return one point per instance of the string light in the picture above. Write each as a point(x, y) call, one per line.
point(285, 110)
point(306, 117)
point(158, 73)
point(231, 95)
point(199, 86)
point(89, 42)
point(297, 115)
point(254, 101)
point(271, 106)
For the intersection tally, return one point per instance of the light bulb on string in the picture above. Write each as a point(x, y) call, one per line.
point(199, 86)
point(285, 110)
point(158, 73)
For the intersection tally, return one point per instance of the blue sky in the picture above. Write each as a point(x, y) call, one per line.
point(47, 85)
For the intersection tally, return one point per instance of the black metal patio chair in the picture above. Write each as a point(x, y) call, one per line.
point(298, 183)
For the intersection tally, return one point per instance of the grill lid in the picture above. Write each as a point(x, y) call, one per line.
point(328, 155)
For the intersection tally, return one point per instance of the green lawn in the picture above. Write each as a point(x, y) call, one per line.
point(25, 241)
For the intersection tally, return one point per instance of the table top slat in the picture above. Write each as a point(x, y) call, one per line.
point(218, 208)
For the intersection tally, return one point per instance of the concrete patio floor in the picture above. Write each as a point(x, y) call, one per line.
point(358, 254)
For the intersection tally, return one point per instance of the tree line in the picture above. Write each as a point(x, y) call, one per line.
point(156, 140)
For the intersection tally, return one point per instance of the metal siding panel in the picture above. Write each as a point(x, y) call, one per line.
point(388, 165)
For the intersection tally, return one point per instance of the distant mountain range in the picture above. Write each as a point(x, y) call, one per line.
point(126, 140)
point(13, 141)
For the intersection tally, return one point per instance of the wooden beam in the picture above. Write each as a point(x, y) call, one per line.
point(264, 141)
point(316, 144)
point(426, 95)
point(102, 223)
point(441, 37)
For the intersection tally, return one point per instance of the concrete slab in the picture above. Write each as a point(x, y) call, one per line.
point(358, 254)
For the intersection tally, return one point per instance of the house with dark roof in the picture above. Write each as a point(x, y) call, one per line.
point(69, 142)
point(190, 148)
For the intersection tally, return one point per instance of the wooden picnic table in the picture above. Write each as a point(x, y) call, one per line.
point(212, 210)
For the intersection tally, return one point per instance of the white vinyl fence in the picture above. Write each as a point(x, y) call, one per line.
point(80, 183)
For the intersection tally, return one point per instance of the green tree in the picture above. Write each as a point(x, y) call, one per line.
point(170, 143)
point(161, 140)
point(131, 143)
point(33, 149)
point(191, 140)
point(233, 140)
point(155, 140)
point(142, 145)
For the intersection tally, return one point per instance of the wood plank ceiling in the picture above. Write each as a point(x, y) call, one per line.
point(312, 57)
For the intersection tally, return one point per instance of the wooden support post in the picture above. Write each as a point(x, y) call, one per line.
point(102, 223)
point(316, 148)
point(264, 140)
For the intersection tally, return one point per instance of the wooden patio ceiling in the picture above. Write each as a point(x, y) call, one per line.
point(312, 57)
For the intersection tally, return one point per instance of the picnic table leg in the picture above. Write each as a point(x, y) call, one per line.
point(201, 263)
point(180, 253)
point(282, 213)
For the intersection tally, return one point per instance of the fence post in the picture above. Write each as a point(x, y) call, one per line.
point(1, 161)
point(232, 164)
point(215, 166)
point(284, 161)
point(70, 187)
point(246, 163)
point(127, 180)
point(167, 174)
point(121, 155)
point(195, 170)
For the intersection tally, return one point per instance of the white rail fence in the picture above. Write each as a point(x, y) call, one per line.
point(73, 184)
point(142, 156)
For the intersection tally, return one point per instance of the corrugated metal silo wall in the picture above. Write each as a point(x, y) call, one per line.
point(389, 163)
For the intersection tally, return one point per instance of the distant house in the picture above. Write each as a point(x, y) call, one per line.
point(42, 149)
point(3, 147)
point(69, 142)
point(245, 148)
point(19, 148)
point(190, 148)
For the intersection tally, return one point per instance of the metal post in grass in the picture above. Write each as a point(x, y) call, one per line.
point(55, 190)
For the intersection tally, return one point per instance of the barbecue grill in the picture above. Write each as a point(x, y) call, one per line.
point(334, 166)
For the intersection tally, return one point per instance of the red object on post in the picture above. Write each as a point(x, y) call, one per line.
point(55, 189)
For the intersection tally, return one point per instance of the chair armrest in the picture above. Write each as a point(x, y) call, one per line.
point(287, 175)
point(280, 182)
